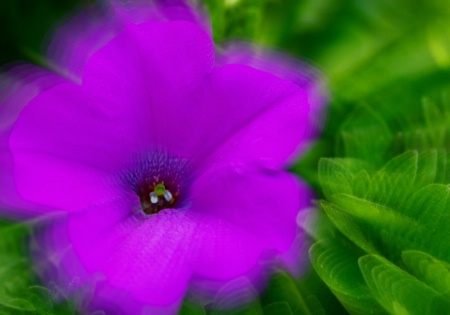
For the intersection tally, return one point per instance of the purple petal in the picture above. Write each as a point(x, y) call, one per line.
point(78, 38)
point(62, 156)
point(264, 204)
point(257, 117)
point(141, 81)
point(22, 84)
point(153, 70)
point(153, 259)
point(283, 66)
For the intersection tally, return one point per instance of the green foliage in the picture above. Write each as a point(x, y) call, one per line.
point(362, 125)
point(19, 292)
point(191, 308)
point(433, 272)
point(392, 242)
point(398, 291)
point(24, 25)
point(336, 262)
point(283, 295)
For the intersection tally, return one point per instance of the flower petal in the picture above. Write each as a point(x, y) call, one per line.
point(283, 66)
point(87, 31)
point(151, 72)
point(64, 148)
point(154, 258)
point(263, 119)
point(263, 204)
point(117, 114)
point(22, 84)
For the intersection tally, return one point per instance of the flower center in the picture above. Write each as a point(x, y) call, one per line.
point(156, 196)
point(160, 181)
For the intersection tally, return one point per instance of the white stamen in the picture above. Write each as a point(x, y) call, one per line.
point(167, 195)
point(153, 197)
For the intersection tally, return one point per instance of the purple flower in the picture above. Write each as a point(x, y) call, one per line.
point(163, 158)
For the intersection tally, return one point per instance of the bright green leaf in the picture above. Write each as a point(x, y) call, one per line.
point(429, 270)
point(337, 265)
point(394, 181)
point(337, 175)
point(430, 207)
point(354, 229)
point(399, 292)
point(282, 288)
point(366, 136)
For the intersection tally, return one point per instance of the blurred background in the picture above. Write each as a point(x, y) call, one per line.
point(380, 239)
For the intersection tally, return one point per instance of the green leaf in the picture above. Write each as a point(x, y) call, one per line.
point(16, 305)
point(364, 209)
point(399, 292)
point(361, 184)
point(281, 308)
point(282, 288)
point(428, 129)
point(337, 175)
point(191, 308)
point(317, 296)
point(435, 122)
point(13, 238)
point(41, 299)
point(353, 228)
point(19, 293)
point(427, 168)
point(442, 168)
point(337, 265)
point(429, 270)
point(386, 220)
point(334, 176)
point(365, 136)
point(235, 19)
point(429, 207)
point(393, 182)
point(15, 275)
point(314, 305)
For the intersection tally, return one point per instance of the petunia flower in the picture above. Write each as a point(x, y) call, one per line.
point(162, 161)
